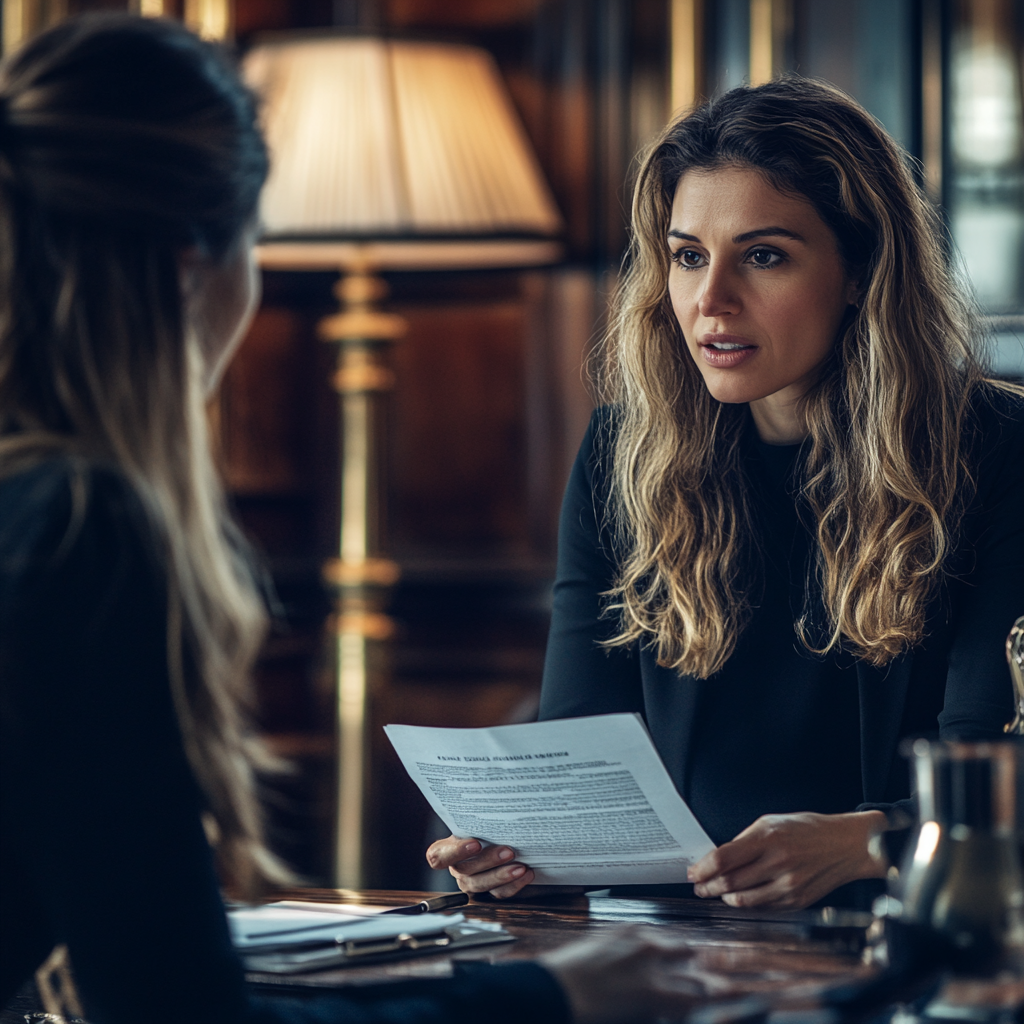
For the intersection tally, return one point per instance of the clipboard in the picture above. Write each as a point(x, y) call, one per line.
point(460, 934)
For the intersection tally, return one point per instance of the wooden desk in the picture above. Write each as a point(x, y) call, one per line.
point(736, 952)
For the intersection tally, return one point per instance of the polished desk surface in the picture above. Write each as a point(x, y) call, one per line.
point(735, 952)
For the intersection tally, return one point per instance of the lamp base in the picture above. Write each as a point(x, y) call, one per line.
point(360, 576)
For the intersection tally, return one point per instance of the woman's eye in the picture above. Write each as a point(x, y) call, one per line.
point(688, 259)
point(764, 257)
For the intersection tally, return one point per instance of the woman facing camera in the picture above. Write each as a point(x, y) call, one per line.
point(130, 170)
point(795, 531)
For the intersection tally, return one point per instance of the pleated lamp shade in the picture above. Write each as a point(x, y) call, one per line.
point(373, 138)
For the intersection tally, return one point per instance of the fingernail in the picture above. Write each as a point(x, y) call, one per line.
point(471, 847)
point(516, 872)
point(504, 854)
point(689, 874)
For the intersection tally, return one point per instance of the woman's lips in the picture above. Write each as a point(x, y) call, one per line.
point(725, 351)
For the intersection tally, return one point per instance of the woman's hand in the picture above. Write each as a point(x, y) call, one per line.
point(792, 860)
point(626, 976)
point(491, 869)
point(477, 868)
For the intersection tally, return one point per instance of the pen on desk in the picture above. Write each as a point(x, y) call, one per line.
point(433, 905)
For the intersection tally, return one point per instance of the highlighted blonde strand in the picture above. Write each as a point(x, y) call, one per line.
point(885, 479)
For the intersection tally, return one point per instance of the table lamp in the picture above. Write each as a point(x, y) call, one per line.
point(385, 155)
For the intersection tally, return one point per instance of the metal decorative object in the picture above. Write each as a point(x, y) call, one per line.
point(1015, 659)
point(960, 895)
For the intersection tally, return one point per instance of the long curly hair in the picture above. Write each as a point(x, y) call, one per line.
point(886, 474)
point(125, 142)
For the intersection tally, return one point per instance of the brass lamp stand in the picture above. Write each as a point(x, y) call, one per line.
point(360, 577)
point(394, 154)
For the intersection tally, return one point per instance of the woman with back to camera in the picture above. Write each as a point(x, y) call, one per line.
point(795, 533)
point(130, 169)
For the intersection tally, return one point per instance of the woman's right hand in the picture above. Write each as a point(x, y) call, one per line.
point(479, 869)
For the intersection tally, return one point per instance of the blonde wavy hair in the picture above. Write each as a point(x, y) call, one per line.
point(886, 474)
point(125, 142)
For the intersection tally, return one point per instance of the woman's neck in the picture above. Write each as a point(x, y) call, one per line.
point(779, 418)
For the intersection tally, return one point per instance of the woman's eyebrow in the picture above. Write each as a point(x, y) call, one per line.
point(747, 236)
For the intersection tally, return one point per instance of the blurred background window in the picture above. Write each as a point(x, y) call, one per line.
point(984, 193)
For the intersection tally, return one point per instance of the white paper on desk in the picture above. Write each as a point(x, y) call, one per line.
point(341, 909)
point(583, 801)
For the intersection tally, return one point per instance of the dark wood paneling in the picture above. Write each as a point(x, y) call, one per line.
point(264, 419)
point(262, 16)
point(459, 458)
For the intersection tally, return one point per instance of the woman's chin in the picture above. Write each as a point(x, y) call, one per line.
point(734, 392)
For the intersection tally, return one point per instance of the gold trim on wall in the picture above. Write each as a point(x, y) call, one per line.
point(932, 114)
point(761, 42)
point(771, 29)
point(13, 19)
point(149, 8)
point(686, 86)
point(209, 19)
point(23, 19)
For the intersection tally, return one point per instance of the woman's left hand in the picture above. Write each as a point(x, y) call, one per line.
point(792, 860)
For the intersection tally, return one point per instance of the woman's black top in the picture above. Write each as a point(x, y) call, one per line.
point(778, 729)
point(803, 752)
point(101, 842)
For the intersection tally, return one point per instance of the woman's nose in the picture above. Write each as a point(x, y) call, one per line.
point(719, 295)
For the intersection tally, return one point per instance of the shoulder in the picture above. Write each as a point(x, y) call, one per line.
point(997, 442)
point(589, 481)
point(60, 497)
point(999, 411)
point(598, 444)
point(69, 515)
point(601, 428)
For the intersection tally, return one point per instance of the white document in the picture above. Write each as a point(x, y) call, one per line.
point(582, 801)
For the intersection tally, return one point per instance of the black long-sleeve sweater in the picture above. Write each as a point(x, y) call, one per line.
point(778, 729)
